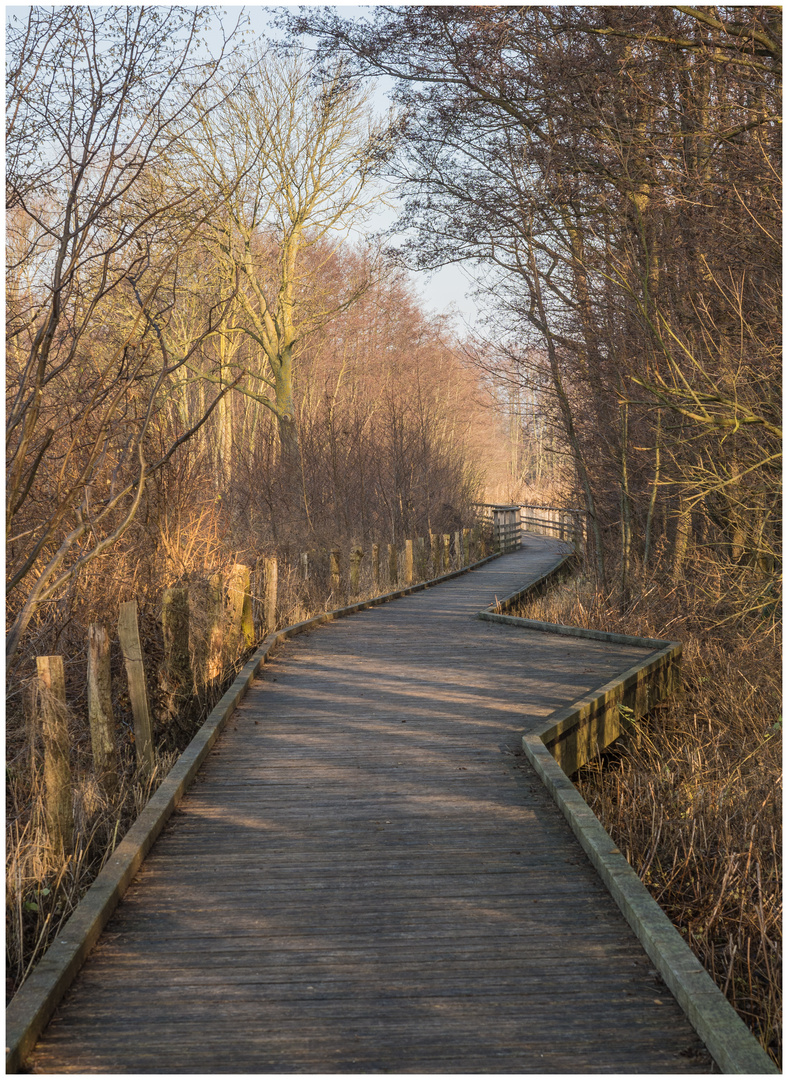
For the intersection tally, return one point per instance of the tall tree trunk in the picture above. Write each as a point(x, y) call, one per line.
point(568, 422)
point(648, 541)
point(290, 460)
point(626, 506)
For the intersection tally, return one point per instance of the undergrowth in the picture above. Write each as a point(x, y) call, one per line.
point(696, 805)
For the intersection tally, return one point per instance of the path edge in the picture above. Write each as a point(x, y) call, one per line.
point(31, 1008)
point(730, 1042)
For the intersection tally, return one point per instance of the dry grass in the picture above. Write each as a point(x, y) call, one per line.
point(43, 888)
point(696, 807)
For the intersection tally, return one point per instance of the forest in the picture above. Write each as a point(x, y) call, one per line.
point(213, 359)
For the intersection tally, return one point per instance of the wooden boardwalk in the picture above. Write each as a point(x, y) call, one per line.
point(366, 877)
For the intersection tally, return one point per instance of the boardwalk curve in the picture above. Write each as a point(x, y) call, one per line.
point(367, 876)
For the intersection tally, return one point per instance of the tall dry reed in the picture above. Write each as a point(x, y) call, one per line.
point(696, 806)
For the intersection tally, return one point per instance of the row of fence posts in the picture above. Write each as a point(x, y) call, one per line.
point(204, 627)
point(418, 560)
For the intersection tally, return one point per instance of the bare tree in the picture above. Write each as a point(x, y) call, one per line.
point(90, 114)
point(306, 148)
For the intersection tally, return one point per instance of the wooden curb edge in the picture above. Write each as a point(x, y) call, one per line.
point(727, 1038)
point(31, 1008)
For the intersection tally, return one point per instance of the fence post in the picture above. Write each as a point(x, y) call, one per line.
point(247, 615)
point(57, 771)
point(175, 630)
point(376, 567)
point(271, 588)
point(304, 564)
point(336, 563)
point(356, 556)
point(129, 634)
point(435, 548)
point(466, 546)
point(206, 605)
point(421, 559)
point(239, 610)
point(215, 621)
point(408, 562)
point(100, 717)
point(498, 530)
point(393, 569)
point(447, 551)
point(336, 570)
point(458, 549)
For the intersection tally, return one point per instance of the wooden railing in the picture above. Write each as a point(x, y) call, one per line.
point(506, 522)
point(502, 523)
point(563, 522)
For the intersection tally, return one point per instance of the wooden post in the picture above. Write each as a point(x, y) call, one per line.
point(408, 562)
point(175, 629)
point(247, 615)
point(376, 567)
point(271, 589)
point(304, 563)
point(200, 608)
point(240, 628)
point(356, 555)
point(206, 610)
point(100, 717)
point(214, 618)
point(57, 771)
point(336, 571)
point(447, 551)
point(393, 568)
point(128, 632)
point(421, 559)
point(437, 554)
point(458, 549)
point(466, 546)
